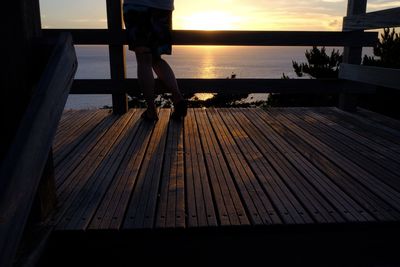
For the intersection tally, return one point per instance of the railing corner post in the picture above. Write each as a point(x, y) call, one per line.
point(352, 55)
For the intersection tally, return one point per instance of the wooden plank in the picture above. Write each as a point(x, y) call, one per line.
point(248, 38)
point(116, 54)
point(257, 203)
point(70, 192)
point(171, 208)
point(200, 204)
point(384, 191)
point(110, 213)
point(67, 135)
point(66, 167)
point(379, 118)
point(85, 206)
point(373, 20)
point(380, 209)
point(21, 168)
point(366, 143)
point(69, 120)
point(86, 162)
point(141, 211)
point(82, 122)
point(379, 76)
point(363, 133)
point(78, 135)
point(230, 209)
point(190, 86)
point(380, 131)
point(286, 203)
point(346, 147)
point(309, 179)
point(63, 127)
point(67, 114)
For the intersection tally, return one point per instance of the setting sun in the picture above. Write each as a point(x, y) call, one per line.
point(210, 20)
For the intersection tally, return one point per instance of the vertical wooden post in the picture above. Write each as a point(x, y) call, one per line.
point(352, 55)
point(117, 54)
point(21, 25)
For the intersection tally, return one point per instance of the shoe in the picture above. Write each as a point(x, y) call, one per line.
point(145, 115)
point(180, 110)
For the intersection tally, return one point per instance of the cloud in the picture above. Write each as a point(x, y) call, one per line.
point(334, 23)
point(379, 5)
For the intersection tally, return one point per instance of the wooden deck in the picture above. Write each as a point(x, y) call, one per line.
point(226, 167)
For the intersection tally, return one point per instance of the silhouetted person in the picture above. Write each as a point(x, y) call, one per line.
point(149, 27)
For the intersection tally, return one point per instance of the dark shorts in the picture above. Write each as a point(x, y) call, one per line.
point(149, 27)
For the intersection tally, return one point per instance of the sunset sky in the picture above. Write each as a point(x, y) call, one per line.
point(217, 14)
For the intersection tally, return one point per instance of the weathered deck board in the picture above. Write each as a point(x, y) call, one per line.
point(200, 204)
point(111, 210)
point(86, 178)
point(376, 164)
point(225, 167)
point(258, 205)
point(142, 207)
point(171, 209)
point(229, 205)
point(286, 203)
point(78, 131)
point(278, 152)
point(348, 165)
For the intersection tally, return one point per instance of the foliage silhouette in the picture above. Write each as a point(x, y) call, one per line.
point(386, 52)
point(386, 55)
point(319, 65)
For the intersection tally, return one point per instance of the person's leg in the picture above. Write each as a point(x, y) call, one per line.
point(146, 79)
point(166, 75)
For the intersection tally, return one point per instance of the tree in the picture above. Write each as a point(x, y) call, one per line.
point(386, 52)
point(319, 65)
point(386, 55)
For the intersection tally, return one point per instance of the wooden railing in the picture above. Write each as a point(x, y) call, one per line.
point(358, 21)
point(22, 168)
point(353, 38)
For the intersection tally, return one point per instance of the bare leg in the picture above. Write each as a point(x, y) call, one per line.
point(146, 79)
point(167, 76)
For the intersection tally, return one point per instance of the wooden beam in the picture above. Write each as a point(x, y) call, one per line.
point(249, 38)
point(190, 86)
point(22, 167)
point(272, 38)
point(373, 20)
point(117, 54)
point(378, 76)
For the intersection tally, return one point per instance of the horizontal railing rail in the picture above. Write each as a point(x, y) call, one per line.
point(191, 86)
point(237, 38)
point(373, 20)
point(378, 76)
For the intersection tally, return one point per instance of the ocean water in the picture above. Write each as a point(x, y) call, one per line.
point(192, 62)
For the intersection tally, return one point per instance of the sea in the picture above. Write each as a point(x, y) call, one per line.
point(194, 62)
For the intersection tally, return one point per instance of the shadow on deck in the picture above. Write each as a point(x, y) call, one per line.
point(229, 185)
